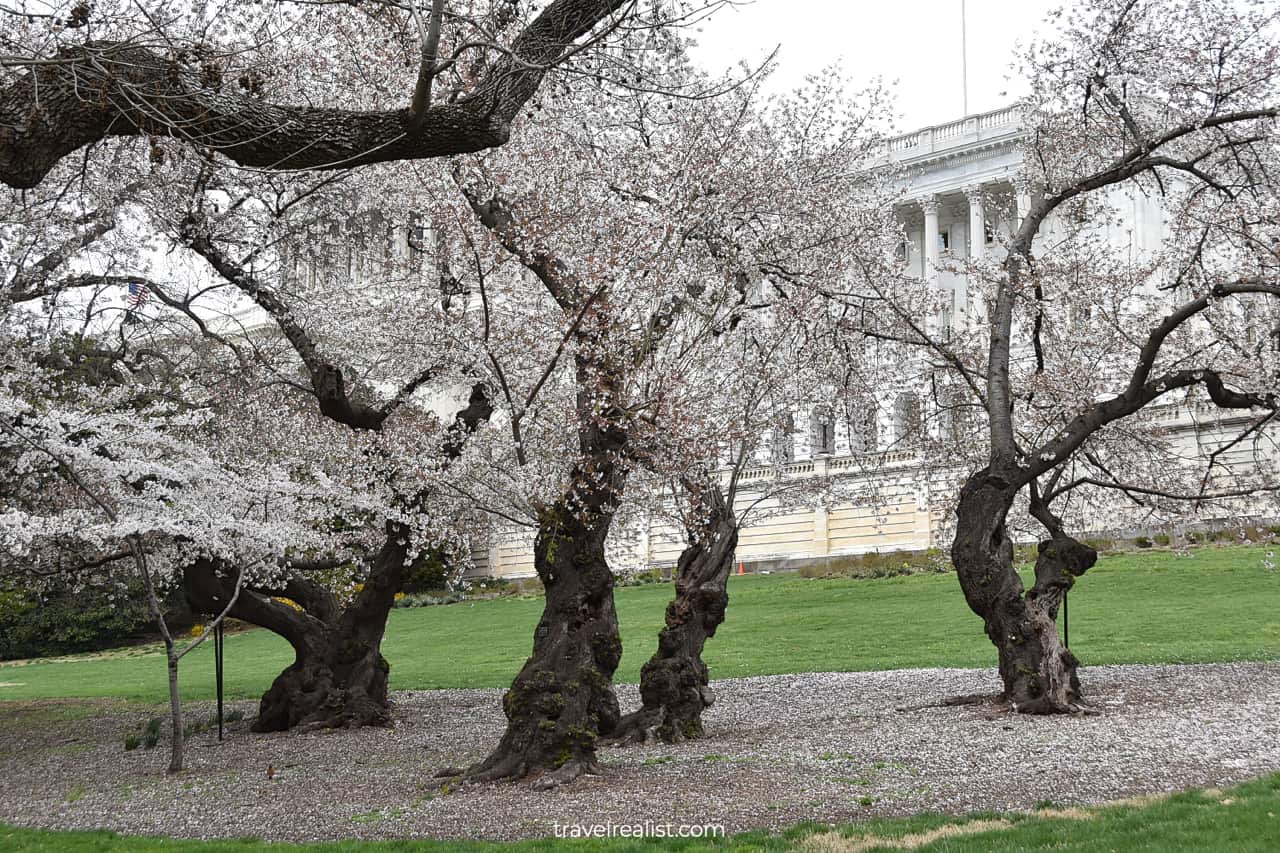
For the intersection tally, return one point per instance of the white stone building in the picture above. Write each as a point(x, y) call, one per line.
point(963, 191)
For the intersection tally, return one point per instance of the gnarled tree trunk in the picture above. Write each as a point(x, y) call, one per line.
point(1060, 561)
point(339, 676)
point(674, 683)
point(562, 700)
point(1038, 672)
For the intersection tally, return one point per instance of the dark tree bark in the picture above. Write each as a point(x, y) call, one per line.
point(1038, 672)
point(99, 89)
point(1059, 562)
point(339, 676)
point(674, 683)
point(562, 700)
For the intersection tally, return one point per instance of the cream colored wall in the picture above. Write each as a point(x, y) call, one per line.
point(910, 509)
point(859, 529)
point(772, 533)
point(511, 554)
point(782, 536)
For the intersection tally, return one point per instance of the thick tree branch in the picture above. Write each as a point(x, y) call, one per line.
point(327, 380)
point(1142, 389)
point(1060, 448)
point(495, 215)
point(315, 598)
point(208, 587)
point(99, 89)
point(478, 410)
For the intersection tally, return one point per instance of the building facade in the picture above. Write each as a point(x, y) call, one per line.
point(963, 191)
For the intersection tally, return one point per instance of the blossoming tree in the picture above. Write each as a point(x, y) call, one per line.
point(643, 219)
point(1075, 332)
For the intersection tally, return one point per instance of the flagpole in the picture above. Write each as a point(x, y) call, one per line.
point(964, 57)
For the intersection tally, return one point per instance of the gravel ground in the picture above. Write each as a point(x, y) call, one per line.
point(831, 747)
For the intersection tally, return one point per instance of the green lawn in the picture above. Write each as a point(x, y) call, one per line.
point(1216, 604)
point(1242, 820)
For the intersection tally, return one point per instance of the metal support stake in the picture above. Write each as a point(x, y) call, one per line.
point(1066, 627)
point(217, 669)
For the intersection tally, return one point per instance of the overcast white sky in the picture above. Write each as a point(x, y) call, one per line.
point(915, 43)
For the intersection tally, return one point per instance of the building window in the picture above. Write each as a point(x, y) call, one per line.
point(732, 449)
point(952, 415)
point(944, 239)
point(450, 287)
point(1080, 314)
point(906, 420)
point(418, 235)
point(862, 426)
point(783, 448)
point(988, 233)
point(823, 432)
point(902, 252)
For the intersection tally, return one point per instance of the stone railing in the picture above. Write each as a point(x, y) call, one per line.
point(822, 466)
point(972, 128)
point(1000, 118)
point(1187, 413)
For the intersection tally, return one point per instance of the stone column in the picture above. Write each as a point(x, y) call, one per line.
point(821, 536)
point(923, 519)
point(977, 222)
point(1023, 189)
point(977, 246)
point(929, 204)
point(400, 243)
point(645, 544)
point(494, 554)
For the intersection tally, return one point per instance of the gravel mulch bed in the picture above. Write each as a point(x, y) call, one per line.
point(833, 748)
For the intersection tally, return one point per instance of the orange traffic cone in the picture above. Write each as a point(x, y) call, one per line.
point(742, 570)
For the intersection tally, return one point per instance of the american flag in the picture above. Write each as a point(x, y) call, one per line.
point(137, 294)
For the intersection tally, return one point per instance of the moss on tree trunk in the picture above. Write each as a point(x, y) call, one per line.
point(1038, 672)
point(675, 683)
